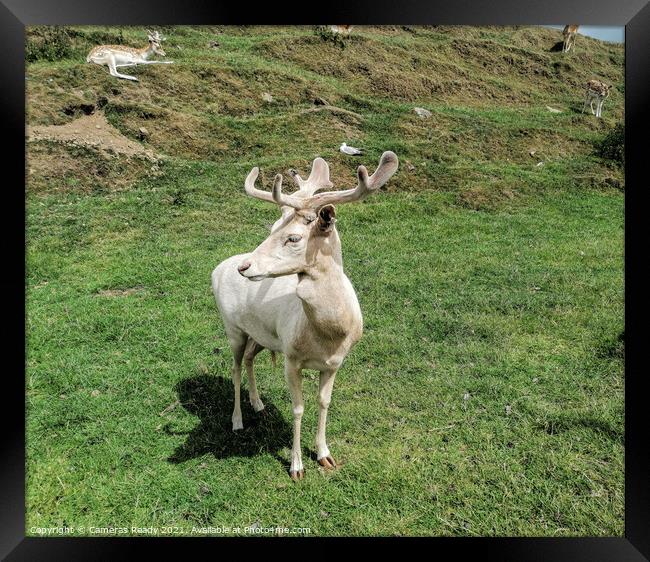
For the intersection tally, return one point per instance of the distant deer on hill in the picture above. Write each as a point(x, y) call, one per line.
point(341, 29)
point(569, 33)
point(118, 56)
point(596, 91)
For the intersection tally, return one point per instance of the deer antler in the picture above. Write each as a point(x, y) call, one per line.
point(319, 178)
point(155, 36)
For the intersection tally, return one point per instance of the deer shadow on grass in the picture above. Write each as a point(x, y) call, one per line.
point(211, 399)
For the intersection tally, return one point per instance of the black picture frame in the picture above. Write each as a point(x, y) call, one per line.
point(16, 14)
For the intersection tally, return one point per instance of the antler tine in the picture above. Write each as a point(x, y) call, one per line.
point(295, 176)
point(276, 196)
point(155, 35)
point(388, 164)
point(319, 178)
point(285, 200)
point(249, 187)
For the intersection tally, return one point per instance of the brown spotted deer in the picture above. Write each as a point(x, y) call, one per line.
point(341, 29)
point(569, 33)
point(118, 56)
point(596, 91)
point(291, 295)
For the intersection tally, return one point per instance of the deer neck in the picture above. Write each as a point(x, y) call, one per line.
point(327, 297)
point(147, 51)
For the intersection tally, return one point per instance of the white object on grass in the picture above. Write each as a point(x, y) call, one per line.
point(350, 150)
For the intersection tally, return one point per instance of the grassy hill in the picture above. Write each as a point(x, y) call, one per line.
point(486, 396)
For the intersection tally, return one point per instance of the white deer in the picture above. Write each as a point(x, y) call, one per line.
point(318, 179)
point(118, 56)
point(291, 294)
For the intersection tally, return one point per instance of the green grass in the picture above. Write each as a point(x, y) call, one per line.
point(486, 395)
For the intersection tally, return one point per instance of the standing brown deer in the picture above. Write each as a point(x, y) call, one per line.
point(569, 33)
point(596, 91)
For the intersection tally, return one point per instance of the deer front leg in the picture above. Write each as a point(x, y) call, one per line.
point(324, 398)
point(238, 344)
point(293, 374)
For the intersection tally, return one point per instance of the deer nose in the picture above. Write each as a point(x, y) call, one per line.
point(244, 266)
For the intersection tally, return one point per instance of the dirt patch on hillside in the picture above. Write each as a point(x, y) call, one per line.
point(92, 131)
point(56, 166)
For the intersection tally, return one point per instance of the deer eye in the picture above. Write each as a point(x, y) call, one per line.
point(294, 238)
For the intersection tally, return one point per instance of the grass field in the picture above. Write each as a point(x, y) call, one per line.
point(486, 395)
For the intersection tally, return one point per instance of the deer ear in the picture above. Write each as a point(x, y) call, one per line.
point(326, 218)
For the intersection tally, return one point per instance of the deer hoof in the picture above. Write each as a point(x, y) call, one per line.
point(297, 474)
point(258, 406)
point(327, 462)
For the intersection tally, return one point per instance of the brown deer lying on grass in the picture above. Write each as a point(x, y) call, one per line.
point(342, 29)
point(118, 56)
point(291, 294)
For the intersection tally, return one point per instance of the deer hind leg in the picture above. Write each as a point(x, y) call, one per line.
point(112, 68)
point(238, 345)
point(324, 398)
point(293, 374)
point(251, 350)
